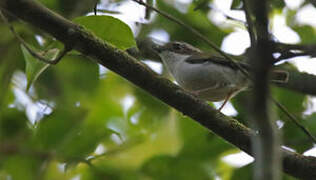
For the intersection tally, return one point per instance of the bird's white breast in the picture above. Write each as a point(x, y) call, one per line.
point(213, 81)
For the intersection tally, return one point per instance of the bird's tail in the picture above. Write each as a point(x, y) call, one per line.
point(280, 76)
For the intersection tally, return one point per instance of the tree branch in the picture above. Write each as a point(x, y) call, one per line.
point(137, 73)
point(266, 144)
point(250, 25)
point(303, 47)
point(294, 50)
point(301, 82)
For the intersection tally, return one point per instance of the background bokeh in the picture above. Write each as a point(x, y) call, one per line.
point(80, 121)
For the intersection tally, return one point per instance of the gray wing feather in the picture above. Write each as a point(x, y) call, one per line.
point(198, 59)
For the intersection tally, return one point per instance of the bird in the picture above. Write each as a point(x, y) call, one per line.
point(209, 77)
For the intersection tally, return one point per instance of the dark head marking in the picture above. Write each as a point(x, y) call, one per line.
point(179, 47)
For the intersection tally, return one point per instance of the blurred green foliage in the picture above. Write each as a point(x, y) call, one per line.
point(92, 124)
point(107, 28)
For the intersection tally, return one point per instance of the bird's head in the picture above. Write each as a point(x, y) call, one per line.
point(177, 48)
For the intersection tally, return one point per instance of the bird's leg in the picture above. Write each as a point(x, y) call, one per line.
point(225, 101)
point(197, 92)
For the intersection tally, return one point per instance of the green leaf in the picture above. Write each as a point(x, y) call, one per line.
point(237, 4)
point(71, 8)
point(201, 4)
point(71, 81)
point(310, 123)
point(22, 167)
point(243, 172)
point(306, 33)
point(83, 142)
point(168, 167)
point(52, 130)
point(51, 4)
point(277, 4)
point(293, 135)
point(9, 63)
point(198, 142)
point(34, 67)
point(109, 29)
point(295, 138)
point(196, 19)
point(295, 104)
point(246, 172)
point(13, 123)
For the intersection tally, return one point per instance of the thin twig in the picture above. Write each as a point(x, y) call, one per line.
point(118, 149)
point(30, 50)
point(227, 16)
point(306, 47)
point(106, 11)
point(288, 55)
point(95, 10)
point(234, 19)
point(250, 25)
point(294, 119)
point(294, 50)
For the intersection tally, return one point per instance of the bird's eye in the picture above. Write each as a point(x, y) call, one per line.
point(177, 46)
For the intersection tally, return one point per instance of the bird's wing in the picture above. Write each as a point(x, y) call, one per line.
point(278, 76)
point(202, 58)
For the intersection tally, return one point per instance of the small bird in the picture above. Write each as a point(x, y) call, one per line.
point(209, 77)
